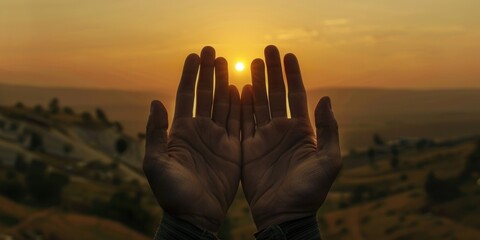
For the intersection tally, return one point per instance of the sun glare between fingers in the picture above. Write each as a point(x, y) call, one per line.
point(239, 66)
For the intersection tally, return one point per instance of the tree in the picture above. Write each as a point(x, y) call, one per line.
point(118, 126)
point(55, 183)
point(38, 109)
point(20, 164)
point(67, 149)
point(423, 143)
point(377, 140)
point(358, 194)
point(225, 231)
point(34, 179)
point(125, 209)
point(101, 116)
point(45, 188)
point(371, 156)
point(54, 106)
point(13, 189)
point(440, 190)
point(36, 142)
point(121, 145)
point(86, 117)
point(394, 161)
point(68, 110)
point(19, 105)
point(472, 165)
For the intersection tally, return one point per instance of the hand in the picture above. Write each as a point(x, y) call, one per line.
point(286, 174)
point(195, 176)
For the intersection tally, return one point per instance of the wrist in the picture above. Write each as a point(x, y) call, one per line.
point(173, 227)
point(208, 224)
point(301, 228)
point(277, 219)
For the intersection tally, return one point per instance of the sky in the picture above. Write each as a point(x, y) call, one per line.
point(139, 45)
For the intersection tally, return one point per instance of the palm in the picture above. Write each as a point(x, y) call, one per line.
point(286, 173)
point(203, 176)
point(287, 176)
point(196, 175)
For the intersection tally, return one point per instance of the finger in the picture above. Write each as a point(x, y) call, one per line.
point(186, 88)
point(276, 87)
point(248, 121)
point(327, 129)
point(234, 114)
point(221, 99)
point(205, 83)
point(297, 97)
point(156, 140)
point(260, 99)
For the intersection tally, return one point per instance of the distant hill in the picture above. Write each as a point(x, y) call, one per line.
point(361, 112)
point(402, 113)
point(130, 108)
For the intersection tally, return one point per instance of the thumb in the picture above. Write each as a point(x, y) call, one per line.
point(327, 129)
point(156, 139)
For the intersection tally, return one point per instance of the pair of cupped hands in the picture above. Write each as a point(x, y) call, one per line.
point(286, 170)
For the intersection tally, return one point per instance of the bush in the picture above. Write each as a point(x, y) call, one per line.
point(86, 117)
point(36, 142)
point(13, 189)
point(19, 105)
point(225, 231)
point(126, 209)
point(20, 164)
point(121, 145)
point(54, 106)
point(68, 110)
point(45, 188)
point(101, 116)
point(440, 190)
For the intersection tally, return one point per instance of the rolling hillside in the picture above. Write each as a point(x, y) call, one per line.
point(360, 112)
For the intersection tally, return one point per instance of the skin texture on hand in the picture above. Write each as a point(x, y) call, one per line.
point(194, 170)
point(287, 171)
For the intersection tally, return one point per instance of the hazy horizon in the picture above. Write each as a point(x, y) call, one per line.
point(168, 92)
point(361, 112)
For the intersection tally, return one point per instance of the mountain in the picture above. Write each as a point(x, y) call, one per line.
point(361, 112)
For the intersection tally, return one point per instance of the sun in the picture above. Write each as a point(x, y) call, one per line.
point(239, 66)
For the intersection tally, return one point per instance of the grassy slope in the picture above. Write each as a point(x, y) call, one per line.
point(401, 213)
point(63, 225)
point(406, 213)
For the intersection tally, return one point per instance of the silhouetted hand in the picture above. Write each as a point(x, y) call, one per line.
point(286, 174)
point(196, 175)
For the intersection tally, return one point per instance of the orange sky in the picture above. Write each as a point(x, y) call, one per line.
point(141, 44)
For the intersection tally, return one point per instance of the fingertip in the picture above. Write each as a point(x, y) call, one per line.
point(220, 62)
point(270, 49)
point(323, 111)
point(158, 114)
point(290, 58)
point(193, 57)
point(247, 93)
point(257, 63)
point(208, 51)
point(247, 88)
point(327, 101)
point(155, 105)
point(323, 103)
point(234, 92)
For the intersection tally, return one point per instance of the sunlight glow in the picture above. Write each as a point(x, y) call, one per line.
point(239, 66)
